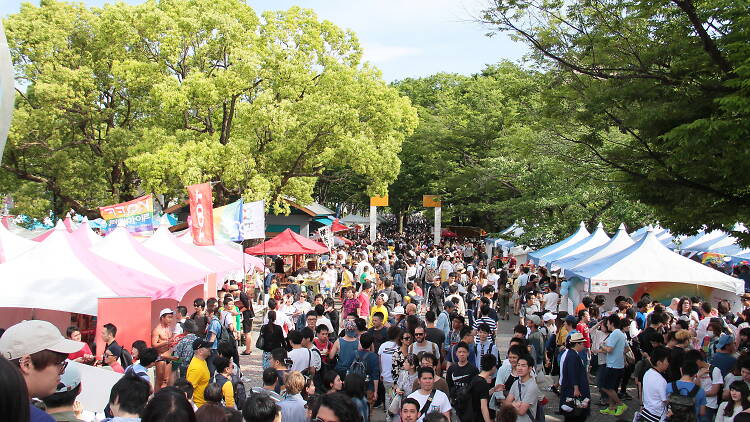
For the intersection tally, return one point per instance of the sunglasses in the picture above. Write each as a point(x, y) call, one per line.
point(418, 334)
point(62, 365)
point(407, 338)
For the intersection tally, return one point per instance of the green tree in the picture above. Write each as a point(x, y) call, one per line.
point(125, 99)
point(489, 144)
point(658, 93)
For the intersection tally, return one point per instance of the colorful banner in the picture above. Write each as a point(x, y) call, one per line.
point(253, 224)
point(136, 215)
point(227, 220)
point(201, 214)
point(712, 258)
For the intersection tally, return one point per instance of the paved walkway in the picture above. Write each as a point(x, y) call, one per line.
point(252, 374)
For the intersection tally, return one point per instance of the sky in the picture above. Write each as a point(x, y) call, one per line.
point(402, 38)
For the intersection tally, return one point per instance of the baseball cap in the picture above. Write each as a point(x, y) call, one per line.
point(69, 380)
point(535, 319)
point(29, 337)
point(449, 304)
point(165, 311)
point(398, 310)
point(571, 318)
point(576, 338)
point(200, 343)
point(549, 316)
point(724, 340)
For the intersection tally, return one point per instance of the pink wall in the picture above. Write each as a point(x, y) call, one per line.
point(131, 316)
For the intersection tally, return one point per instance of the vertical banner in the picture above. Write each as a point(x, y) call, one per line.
point(227, 221)
point(253, 224)
point(201, 214)
point(7, 89)
point(326, 235)
point(438, 218)
point(136, 215)
point(375, 202)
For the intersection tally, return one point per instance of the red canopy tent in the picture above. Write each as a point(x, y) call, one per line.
point(287, 243)
point(345, 240)
point(447, 233)
point(336, 226)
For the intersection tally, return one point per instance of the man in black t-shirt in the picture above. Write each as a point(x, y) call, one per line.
point(480, 390)
point(459, 377)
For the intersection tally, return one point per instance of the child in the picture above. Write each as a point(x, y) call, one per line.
point(407, 376)
point(484, 345)
point(321, 342)
point(274, 291)
point(351, 304)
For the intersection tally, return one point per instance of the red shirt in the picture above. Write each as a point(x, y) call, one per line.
point(79, 354)
point(364, 305)
point(324, 348)
point(584, 330)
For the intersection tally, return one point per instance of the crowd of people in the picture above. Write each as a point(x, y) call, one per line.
point(406, 329)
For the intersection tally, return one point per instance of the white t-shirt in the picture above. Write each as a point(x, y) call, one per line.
point(385, 352)
point(655, 393)
point(707, 382)
point(304, 358)
point(440, 402)
point(550, 302)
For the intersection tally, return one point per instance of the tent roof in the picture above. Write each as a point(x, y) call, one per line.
point(84, 235)
point(710, 244)
point(287, 243)
point(700, 238)
point(597, 238)
point(581, 233)
point(166, 243)
point(338, 227)
point(61, 274)
point(12, 245)
point(228, 250)
point(618, 242)
point(355, 219)
point(514, 230)
point(119, 246)
point(650, 261)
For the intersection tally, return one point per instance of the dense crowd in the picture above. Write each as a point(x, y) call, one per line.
point(406, 328)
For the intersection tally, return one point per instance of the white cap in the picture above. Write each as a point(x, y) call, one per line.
point(398, 310)
point(165, 311)
point(29, 337)
point(549, 316)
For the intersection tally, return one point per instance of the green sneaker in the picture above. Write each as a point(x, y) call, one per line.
point(620, 409)
point(607, 411)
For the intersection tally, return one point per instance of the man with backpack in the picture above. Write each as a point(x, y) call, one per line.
point(459, 378)
point(686, 399)
point(367, 365)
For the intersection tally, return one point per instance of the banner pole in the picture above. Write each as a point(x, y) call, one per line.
point(438, 217)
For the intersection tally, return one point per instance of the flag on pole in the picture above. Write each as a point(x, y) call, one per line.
point(253, 225)
point(201, 214)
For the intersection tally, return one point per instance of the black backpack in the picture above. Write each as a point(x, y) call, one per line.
point(460, 398)
point(682, 407)
point(240, 394)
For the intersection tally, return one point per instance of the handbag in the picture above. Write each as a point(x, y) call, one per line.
point(261, 341)
point(629, 356)
point(395, 406)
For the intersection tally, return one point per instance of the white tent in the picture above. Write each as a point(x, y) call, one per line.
point(166, 243)
point(539, 256)
point(85, 235)
point(692, 241)
point(12, 245)
point(649, 261)
point(597, 238)
point(120, 247)
point(618, 242)
point(62, 275)
point(710, 244)
point(638, 234)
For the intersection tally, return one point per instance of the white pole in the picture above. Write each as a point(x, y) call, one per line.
point(373, 223)
point(438, 216)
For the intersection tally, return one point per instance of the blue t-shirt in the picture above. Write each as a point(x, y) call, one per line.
point(617, 341)
point(685, 389)
point(214, 327)
point(372, 365)
point(37, 415)
point(640, 320)
point(138, 370)
point(723, 361)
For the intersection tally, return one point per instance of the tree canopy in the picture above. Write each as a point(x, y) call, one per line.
point(124, 100)
point(657, 92)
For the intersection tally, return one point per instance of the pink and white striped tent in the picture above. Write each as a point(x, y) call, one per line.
point(12, 245)
point(63, 275)
point(120, 247)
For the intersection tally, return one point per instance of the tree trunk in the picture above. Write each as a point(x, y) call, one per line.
point(400, 217)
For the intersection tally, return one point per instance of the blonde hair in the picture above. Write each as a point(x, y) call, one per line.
point(294, 383)
point(682, 336)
